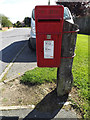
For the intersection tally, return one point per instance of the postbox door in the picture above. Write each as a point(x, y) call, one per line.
point(48, 51)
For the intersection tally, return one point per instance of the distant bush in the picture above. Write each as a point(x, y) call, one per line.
point(25, 23)
point(17, 24)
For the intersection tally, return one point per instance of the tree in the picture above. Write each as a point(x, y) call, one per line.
point(5, 22)
point(27, 21)
point(77, 8)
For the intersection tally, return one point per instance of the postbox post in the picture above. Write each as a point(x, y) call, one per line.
point(64, 72)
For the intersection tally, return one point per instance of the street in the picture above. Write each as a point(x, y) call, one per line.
point(11, 42)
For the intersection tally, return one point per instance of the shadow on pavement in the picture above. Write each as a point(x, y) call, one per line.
point(48, 108)
point(11, 51)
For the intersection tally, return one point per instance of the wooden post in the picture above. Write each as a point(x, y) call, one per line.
point(64, 72)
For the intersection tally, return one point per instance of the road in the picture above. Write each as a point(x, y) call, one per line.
point(10, 44)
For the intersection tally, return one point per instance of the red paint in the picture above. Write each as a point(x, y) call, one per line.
point(49, 21)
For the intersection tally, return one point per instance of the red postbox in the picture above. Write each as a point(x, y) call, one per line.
point(49, 29)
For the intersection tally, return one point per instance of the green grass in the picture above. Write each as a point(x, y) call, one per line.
point(40, 75)
point(80, 64)
point(80, 73)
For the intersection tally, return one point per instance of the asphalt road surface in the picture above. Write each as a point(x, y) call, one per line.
point(10, 44)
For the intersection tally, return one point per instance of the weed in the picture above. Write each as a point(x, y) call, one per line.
point(20, 100)
point(4, 100)
point(3, 89)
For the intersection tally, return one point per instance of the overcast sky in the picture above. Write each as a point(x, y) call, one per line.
point(19, 9)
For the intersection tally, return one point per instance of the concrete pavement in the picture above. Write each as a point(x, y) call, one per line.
point(11, 43)
point(28, 114)
point(21, 59)
point(24, 62)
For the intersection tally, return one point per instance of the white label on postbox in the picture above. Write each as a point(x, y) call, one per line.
point(49, 49)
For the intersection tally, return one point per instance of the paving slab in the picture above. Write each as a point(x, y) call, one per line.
point(33, 114)
point(24, 62)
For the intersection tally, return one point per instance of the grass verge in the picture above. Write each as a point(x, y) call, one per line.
point(80, 73)
point(40, 75)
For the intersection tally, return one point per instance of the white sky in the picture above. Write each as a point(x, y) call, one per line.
point(19, 9)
